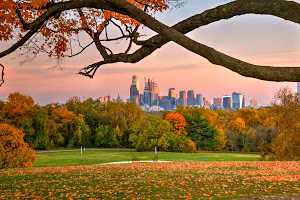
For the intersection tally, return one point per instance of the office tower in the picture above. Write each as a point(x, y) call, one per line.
point(190, 98)
point(199, 101)
point(148, 92)
point(101, 99)
point(218, 103)
point(172, 97)
point(155, 91)
point(182, 98)
point(118, 98)
point(253, 103)
point(237, 100)
point(244, 102)
point(227, 102)
point(106, 99)
point(134, 91)
point(298, 88)
point(136, 82)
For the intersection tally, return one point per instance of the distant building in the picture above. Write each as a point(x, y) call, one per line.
point(155, 91)
point(101, 99)
point(237, 100)
point(107, 99)
point(218, 103)
point(134, 89)
point(190, 98)
point(298, 88)
point(182, 98)
point(136, 82)
point(172, 96)
point(244, 102)
point(165, 104)
point(253, 103)
point(226, 102)
point(199, 101)
point(118, 98)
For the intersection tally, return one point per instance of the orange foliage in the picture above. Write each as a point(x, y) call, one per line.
point(237, 126)
point(14, 152)
point(17, 106)
point(57, 31)
point(178, 122)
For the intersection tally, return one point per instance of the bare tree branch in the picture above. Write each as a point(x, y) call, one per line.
point(2, 79)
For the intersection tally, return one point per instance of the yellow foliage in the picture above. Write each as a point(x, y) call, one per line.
point(14, 152)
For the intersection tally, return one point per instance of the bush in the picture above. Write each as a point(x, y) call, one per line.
point(14, 152)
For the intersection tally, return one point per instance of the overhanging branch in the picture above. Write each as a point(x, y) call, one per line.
point(2, 76)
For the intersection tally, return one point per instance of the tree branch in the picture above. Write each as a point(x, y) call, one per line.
point(2, 79)
point(284, 9)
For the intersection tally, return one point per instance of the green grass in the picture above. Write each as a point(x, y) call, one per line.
point(72, 158)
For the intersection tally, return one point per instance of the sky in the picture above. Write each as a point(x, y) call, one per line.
point(263, 40)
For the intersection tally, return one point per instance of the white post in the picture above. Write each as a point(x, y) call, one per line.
point(155, 150)
point(84, 148)
point(81, 150)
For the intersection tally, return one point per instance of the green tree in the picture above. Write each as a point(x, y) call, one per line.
point(106, 136)
point(201, 132)
point(150, 131)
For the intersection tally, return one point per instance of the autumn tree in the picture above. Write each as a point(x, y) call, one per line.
point(16, 107)
point(286, 112)
point(66, 125)
point(57, 23)
point(14, 152)
point(150, 131)
point(178, 122)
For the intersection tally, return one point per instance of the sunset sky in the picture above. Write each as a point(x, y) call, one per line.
point(263, 40)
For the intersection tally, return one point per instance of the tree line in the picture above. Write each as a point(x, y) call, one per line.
point(273, 131)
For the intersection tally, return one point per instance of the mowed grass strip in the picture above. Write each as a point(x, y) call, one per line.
point(174, 180)
point(90, 157)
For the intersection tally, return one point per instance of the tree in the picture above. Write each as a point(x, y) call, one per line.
point(106, 136)
point(17, 106)
point(150, 131)
point(200, 131)
point(178, 122)
point(14, 152)
point(57, 21)
point(66, 124)
point(250, 116)
point(286, 112)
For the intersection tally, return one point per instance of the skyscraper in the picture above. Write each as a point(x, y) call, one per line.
point(155, 91)
point(134, 89)
point(253, 103)
point(182, 98)
point(227, 102)
point(199, 100)
point(218, 103)
point(298, 87)
point(149, 92)
point(172, 97)
point(190, 98)
point(135, 81)
point(237, 100)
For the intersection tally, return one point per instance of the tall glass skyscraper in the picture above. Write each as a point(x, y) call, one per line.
point(199, 101)
point(237, 100)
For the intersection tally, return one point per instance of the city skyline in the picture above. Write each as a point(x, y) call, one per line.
point(151, 100)
point(257, 39)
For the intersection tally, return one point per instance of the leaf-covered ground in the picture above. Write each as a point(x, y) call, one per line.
point(174, 180)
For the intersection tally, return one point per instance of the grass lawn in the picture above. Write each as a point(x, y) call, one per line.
point(89, 157)
point(172, 180)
